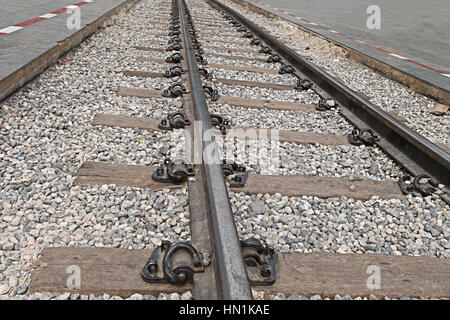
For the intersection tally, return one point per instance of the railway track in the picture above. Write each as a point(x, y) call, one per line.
point(273, 157)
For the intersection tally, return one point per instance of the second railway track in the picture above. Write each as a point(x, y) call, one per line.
point(302, 180)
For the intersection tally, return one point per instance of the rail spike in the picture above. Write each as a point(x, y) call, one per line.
point(177, 266)
point(176, 263)
point(174, 171)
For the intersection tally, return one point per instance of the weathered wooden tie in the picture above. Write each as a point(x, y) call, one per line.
point(254, 84)
point(207, 47)
point(234, 101)
point(217, 66)
point(112, 120)
point(249, 103)
point(244, 133)
point(116, 271)
point(122, 175)
point(140, 176)
point(321, 187)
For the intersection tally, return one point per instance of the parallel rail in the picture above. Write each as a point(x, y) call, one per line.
point(231, 276)
point(211, 214)
point(411, 150)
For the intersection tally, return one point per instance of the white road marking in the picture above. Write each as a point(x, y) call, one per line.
point(10, 29)
point(48, 15)
point(398, 56)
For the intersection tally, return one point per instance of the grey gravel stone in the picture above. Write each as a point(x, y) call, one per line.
point(280, 296)
point(174, 296)
point(63, 296)
point(22, 289)
point(344, 225)
point(186, 296)
point(46, 134)
point(3, 289)
point(74, 296)
point(297, 297)
point(162, 296)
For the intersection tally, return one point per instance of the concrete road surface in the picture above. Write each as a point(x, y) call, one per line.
point(415, 29)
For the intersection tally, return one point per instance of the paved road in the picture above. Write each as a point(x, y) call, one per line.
point(16, 11)
point(416, 29)
point(22, 46)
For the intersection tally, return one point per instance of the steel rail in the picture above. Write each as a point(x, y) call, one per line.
point(411, 150)
point(231, 275)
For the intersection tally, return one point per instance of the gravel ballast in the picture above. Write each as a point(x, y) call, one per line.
point(46, 135)
point(416, 226)
point(384, 93)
